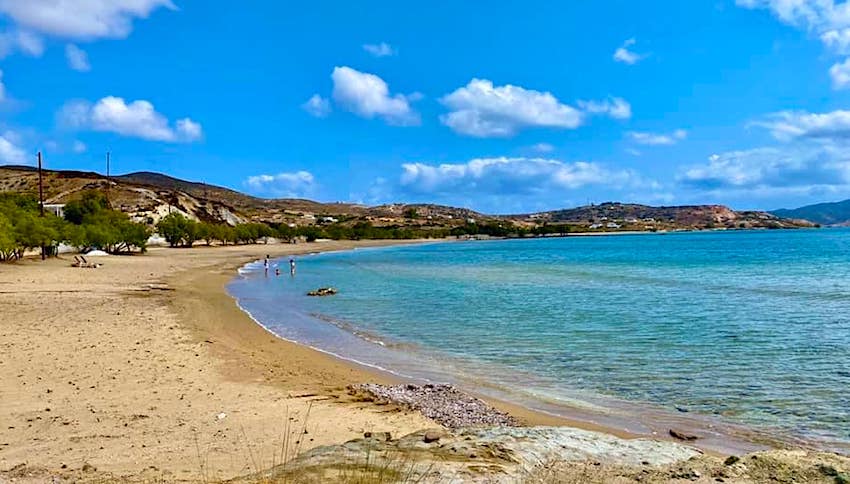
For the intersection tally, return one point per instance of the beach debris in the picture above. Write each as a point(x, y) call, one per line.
point(221, 416)
point(731, 460)
point(444, 404)
point(323, 291)
point(682, 435)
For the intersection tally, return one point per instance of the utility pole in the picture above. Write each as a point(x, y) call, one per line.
point(41, 199)
point(40, 187)
point(107, 180)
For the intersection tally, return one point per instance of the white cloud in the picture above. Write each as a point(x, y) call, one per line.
point(79, 19)
point(367, 95)
point(543, 148)
point(17, 40)
point(137, 119)
point(77, 58)
point(838, 40)
point(826, 18)
point(189, 130)
point(788, 125)
point(509, 176)
point(812, 14)
point(616, 107)
point(769, 171)
point(840, 74)
point(380, 50)
point(482, 110)
point(656, 139)
point(297, 184)
point(75, 114)
point(317, 106)
point(626, 56)
point(10, 152)
point(79, 147)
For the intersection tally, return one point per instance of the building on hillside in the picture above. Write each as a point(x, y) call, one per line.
point(57, 209)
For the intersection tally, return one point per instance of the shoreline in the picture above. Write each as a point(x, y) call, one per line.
point(146, 368)
point(732, 439)
point(526, 415)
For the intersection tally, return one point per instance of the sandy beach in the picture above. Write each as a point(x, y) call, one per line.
point(145, 366)
point(145, 369)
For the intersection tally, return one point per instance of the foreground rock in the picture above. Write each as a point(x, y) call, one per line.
point(444, 404)
point(500, 454)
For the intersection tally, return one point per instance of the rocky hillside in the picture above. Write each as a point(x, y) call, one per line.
point(148, 197)
point(644, 217)
point(835, 213)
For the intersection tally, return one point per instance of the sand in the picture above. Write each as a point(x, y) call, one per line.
point(145, 368)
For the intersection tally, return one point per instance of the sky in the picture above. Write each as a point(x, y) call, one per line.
point(501, 107)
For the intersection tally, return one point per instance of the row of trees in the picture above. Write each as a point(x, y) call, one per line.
point(94, 225)
point(180, 231)
point(89, 223)
point(22, 229)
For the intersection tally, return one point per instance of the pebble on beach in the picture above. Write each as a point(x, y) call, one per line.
point(444, 404)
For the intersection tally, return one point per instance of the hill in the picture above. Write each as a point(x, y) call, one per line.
point(147, 197)
point(835, 213)
point(630, 216)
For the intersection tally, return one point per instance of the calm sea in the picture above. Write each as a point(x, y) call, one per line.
point(721, 331)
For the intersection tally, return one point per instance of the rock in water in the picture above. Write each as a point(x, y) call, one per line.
point(323, 291)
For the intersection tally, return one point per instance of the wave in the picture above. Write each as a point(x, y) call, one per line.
point(327, 352)
point(367, 336)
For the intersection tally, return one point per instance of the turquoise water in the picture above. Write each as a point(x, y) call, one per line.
point(744, 327)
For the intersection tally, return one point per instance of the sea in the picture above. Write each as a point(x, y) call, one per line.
point(740, 337)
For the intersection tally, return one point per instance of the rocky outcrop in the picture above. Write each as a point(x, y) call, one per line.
point(500, 454)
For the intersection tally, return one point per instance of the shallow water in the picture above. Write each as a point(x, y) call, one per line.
point(744, 327)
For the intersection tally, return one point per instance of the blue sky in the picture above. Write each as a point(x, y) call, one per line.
point(499, 107)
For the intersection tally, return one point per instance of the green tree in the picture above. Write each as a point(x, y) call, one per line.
point(8, 245)
point(92, 202)
point(172, 227)
point(96, 226)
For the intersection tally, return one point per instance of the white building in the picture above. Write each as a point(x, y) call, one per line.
point(57, 209)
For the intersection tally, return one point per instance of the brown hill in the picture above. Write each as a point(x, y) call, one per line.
point(642, 217)
point(148, 197)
